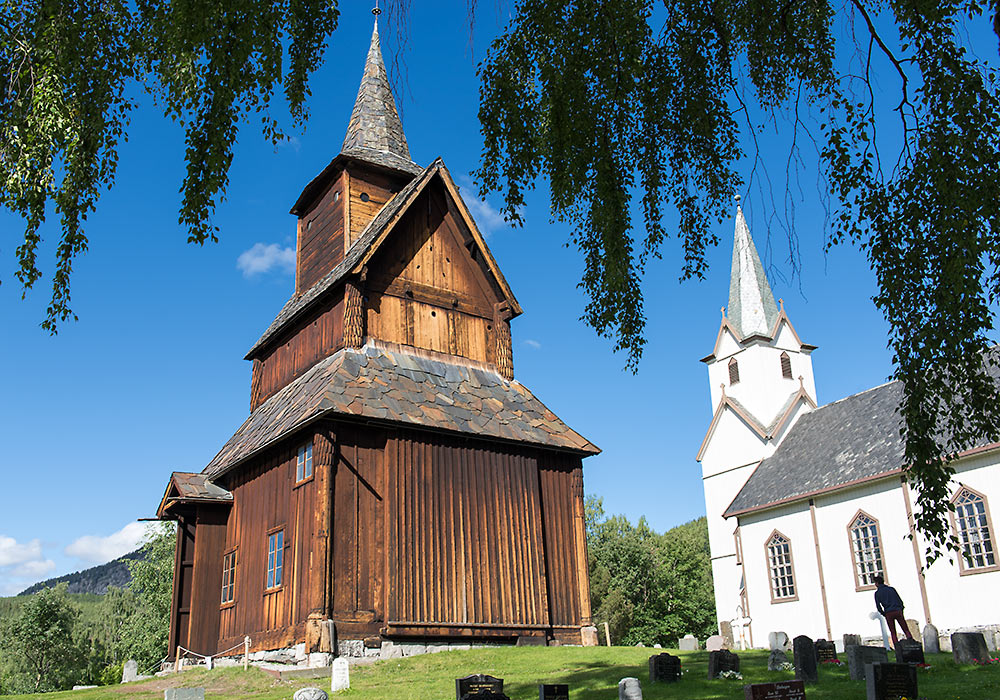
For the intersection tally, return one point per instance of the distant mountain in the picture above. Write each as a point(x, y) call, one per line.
point(93, 580)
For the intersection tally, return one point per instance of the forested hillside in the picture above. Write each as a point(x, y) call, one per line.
point(95, 580)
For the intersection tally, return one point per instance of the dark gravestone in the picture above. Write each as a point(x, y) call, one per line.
point(804, 659)
point(825, 651)
point(786, 690)
point(891, 681)
point(664, 668)
point(909, 651)
point(553, 692)
point(968, 647)
point(719, 661)
point(859, 656)
point(478, 686)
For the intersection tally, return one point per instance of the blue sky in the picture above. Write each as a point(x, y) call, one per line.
point(151, 379)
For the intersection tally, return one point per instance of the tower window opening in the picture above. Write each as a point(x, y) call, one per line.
point(786, 366)
point(734, 372)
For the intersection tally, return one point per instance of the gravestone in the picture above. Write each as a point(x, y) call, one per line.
point(967, 647)
point(891, 681)
point(778, 640)
point(722, 660)
point(931, 643)
point(996, 641)
point(825, 651)
point(553, 692)
point(688, 643)
point(859, 657)
point(726, 632)
point(851, 640)
point(629, 689)
point(914, 628)
point(184, 694)
point(478, 685)
point(340, 675)
point(715, 643)
point(991, 640)
point(776, 659)
point(664, 668)
point(310, 694)
point(785, 690)
point(130, 672)
point(909, 651)
point(804, 659)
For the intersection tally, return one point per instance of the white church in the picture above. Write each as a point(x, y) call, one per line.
point(806, 503)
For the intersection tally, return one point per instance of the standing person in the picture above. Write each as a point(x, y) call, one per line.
point(890, 606)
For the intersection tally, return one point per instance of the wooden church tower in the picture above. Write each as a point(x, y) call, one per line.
point(392, 476)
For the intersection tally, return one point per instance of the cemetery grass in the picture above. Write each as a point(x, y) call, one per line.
point(592, 674)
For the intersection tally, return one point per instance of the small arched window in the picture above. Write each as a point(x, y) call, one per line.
point(973, 529)
point(866, 550)
point(780, 569)
point(734, 372)
point(786, 366)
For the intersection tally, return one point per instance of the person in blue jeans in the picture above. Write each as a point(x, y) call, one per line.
point(890, 606)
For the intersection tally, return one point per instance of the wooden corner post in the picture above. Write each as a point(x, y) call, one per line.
point(504, 352)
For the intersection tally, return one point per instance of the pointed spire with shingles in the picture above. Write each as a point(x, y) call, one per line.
point(752, 310)
point(375, 133)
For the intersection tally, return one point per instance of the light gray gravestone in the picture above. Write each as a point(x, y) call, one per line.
point(851, 639)
point(310, 694)
point(130, 672)
point(776, 659)
point(778, 640)
point(184, 694)
point(715, 643)
point(340, 675)
point(688, 643)
point(726, 630)
point(914, 628)
point(967, 647)
point(859, 657)
point(629, 689)
point(932, 644)
point(991, 640)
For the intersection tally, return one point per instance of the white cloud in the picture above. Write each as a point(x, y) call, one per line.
point(98, 550)
point(487, 217)
point(34, 569)
point(264, 257)
point(13, 553)
point(533, 344)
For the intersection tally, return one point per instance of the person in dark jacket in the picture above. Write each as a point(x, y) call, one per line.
point(890, 606)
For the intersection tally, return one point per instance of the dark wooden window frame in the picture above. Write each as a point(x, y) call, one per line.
point(279, 567)
point(229, 563)
point(786, 365)
point(964, 567)
point(304, 459)
point(734, 371)
point(791, 568)
point(858, 585)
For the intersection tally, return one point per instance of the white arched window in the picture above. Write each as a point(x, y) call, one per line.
point(974, 532)
point(781, 570)
point(866, 550)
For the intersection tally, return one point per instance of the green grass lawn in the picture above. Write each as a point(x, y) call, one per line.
point(592, 674)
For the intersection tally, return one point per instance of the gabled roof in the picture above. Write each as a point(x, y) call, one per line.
point(368, 243)
point(393, 384)
point(764, 432)
point(185, 487)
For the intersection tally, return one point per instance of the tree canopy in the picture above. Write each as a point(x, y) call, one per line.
point(615, 101)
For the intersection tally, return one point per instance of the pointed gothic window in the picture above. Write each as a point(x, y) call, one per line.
point(780, 568)
point(786, 366)
point(974, 531)
point(734, 372)
point(866, 550)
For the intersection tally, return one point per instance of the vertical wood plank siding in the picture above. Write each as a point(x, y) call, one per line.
point(321, 236)
point(183, 583)
point(562, 539)
point(209, 544)
point(313, 339)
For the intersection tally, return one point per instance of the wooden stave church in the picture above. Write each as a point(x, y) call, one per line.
point(445, 501)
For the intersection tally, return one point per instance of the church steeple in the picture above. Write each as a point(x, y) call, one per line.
point(375, 133)
point(752, 310)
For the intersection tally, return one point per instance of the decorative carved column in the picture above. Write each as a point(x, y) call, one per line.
point(255, 380)
point(354, 315)
point(319, 570)
point(504, 353)
point(580, 527)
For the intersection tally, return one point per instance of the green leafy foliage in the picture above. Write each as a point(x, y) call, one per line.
point(67, 73)
point(37, 650)
point(611, 100)
point(649, 588)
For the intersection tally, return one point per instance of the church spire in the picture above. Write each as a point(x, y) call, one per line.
point(375, 133)
point(752, 310)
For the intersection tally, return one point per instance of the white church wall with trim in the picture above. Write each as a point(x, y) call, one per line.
point(762, 389)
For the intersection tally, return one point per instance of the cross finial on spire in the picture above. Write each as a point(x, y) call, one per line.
point(376, 10)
